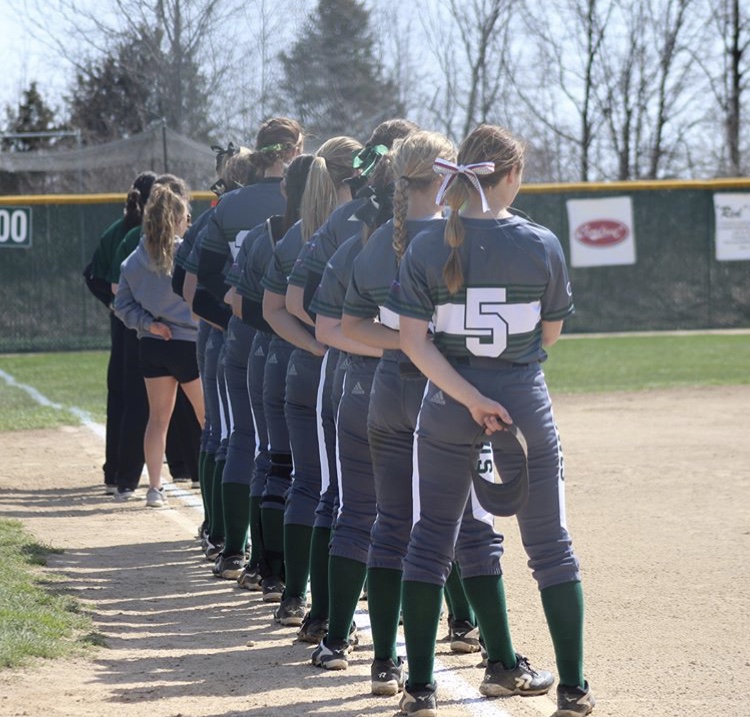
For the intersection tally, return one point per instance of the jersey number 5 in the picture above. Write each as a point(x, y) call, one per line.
point(484, 320)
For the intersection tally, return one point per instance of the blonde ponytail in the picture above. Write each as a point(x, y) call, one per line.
point(411, 161)
point(400, 207)
point(331, 165)
point(453, 274)
point(162, 215)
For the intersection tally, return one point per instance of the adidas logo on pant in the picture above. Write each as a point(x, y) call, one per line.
point(438, 398)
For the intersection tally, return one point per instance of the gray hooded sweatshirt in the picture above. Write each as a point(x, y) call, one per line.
point(145, 295)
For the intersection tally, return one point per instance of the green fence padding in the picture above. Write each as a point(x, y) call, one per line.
point(676, 283)
point(45, 303)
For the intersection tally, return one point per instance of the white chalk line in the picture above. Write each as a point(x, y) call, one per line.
point(450, 682)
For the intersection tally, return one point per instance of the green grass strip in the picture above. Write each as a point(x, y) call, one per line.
point(36, 619)
point(593, 364)
point(69, 379)
point(638, 363)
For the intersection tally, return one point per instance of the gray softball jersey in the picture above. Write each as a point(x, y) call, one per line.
point(259, 255)
point(145, 295)
point(335, 230)
point(284, 255)
point(329, 296)
point(514, 277)
point(234, 273)
point(241, 210)
point(188, 241)
point(375, 270)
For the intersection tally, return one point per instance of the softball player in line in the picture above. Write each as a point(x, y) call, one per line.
point(356, 498)
point(397, 391)
point(496, 288)
point(266, 381)
point(278, 141)
point(305, 380)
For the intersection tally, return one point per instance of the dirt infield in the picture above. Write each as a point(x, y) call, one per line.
point(658, 494)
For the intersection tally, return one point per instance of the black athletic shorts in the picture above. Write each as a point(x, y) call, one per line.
point(168, 358)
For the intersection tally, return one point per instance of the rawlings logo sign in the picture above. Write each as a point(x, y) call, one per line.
point(602, 233)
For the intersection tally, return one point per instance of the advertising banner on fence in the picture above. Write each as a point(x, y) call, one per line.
point(15, 227)
point(732, 227)
point(601, 232)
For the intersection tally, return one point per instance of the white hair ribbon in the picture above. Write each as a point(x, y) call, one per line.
point(450, 171)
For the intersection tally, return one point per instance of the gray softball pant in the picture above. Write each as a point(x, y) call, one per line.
point(224, 402)
point(327, 407)
point(305, 378)
point(444, 437)
point(274, 393)
point(256, 367)
point(240, 458)
point(356, 513)
point(204, 329)
point(397, 392)
point(214, 342)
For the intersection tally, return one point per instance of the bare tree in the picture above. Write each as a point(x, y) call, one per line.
point(468, 40)
point(568, 39)
point(726, 83)
point(174, 37)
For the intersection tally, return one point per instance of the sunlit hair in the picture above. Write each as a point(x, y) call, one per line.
point(487, 143)
point(382, 184)
point(330, 166)
point(411, 160)
point(295, 180)
point(167, 206)
point(388, 132)
point(279, 138)
point(136, 199)
point(240, 170)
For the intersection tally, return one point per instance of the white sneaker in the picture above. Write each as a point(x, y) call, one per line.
point(110, 489)
point(155, 498)
point(123, 495)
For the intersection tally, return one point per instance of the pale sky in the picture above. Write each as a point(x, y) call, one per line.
point(24, 59)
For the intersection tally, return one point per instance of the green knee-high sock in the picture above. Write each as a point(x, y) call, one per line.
point(319, 591)
point(217, 504)
point(345, 580)
point(384, 606)
point(486, 594)
point(458, 603)
point(563, 608)
point(272, 521)
point(256, 536)
point(207, 487)
point(236, 505)
point(296, 559)
point(421, 604)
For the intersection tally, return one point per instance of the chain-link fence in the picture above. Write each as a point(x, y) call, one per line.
point(675, 281)
point(45, 303)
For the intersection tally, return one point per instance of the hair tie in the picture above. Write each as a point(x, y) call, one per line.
point(405, 178)
point(451, 170)
point(272, 148)
point(366, 159)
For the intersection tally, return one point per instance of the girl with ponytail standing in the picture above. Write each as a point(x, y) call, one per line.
point(324, 191)
point(145, 302)
point(496, 290)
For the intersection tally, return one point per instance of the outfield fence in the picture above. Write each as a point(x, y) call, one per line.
point(643, 256)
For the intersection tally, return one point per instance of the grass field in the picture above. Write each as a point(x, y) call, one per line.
point(576, 365)
point(35, 620)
